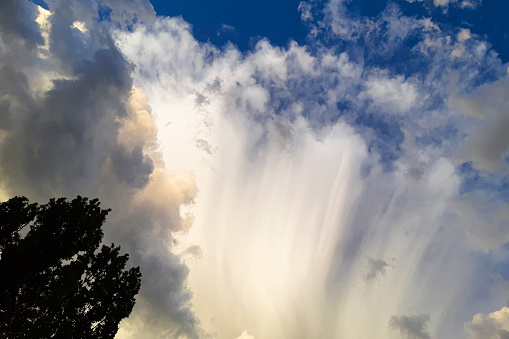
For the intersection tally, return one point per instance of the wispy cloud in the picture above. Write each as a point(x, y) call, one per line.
point(288, 175)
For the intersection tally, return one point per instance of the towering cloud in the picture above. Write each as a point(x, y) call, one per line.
point(72, 123)
point(327, 190)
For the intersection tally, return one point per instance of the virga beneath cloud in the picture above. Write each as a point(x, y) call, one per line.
point(326, 190)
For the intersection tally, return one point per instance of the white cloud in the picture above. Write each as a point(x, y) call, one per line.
point(225, 28)
point(264, 113)
point(395, 95)
point(305, 10)
point(253, 255)
point(264, 183)
point(489, 326)
point(442, 3)
point(80, 26)
point(245, 335)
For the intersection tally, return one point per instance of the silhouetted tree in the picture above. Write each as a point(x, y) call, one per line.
point(54, 280)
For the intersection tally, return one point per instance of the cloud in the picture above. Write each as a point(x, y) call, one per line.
point(489, 326)
point(72, 123)
point(394, 95)
point(305, 10)
point(275, 115)
point(375, 268)
point(245, 335)
point(282, 170)
point(487, 145)
point(130, 12)
point(411, 326)
point(442, 3)
point(225, 29)
point(17, 21)
point(486, 222)
point(447, 3)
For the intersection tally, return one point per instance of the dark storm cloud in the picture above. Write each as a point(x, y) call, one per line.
point(17, 20)
point(66, 136)
point(133, 167)
point(60, 117)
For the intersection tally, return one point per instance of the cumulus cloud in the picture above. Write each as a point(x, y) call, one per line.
point(270, 116)
point(489, 326)
point(393, 95)
point(411, 326)
point(292, 164)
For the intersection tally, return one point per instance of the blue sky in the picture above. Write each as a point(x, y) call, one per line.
point(280, 21)
point(340, 170)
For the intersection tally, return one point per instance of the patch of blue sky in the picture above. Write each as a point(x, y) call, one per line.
point(383, 134)
point(437, 135)
point(241, 22)
point(41, 3)
point(104, 12)
point(488, 19)
point(473, 180)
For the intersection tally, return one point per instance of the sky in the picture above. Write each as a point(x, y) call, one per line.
point(305, 169)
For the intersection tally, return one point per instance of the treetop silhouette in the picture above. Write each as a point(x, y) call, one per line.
point(55, 282)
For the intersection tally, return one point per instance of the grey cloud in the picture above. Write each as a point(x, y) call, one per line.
point(17, 20)
point(64, 138)
point(214, 87)
point(134, 167)
point(61, 138)
point(489, 144)
point(204, 145)
point(201, 99)
point(165, 297)
point(375, 268)
point(194, 251)
point(130, 12)
point(411, 326)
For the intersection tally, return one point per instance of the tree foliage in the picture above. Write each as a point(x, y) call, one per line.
point(55, 282)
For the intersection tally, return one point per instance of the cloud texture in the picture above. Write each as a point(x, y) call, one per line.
point(331, 190)
point(72, 123)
